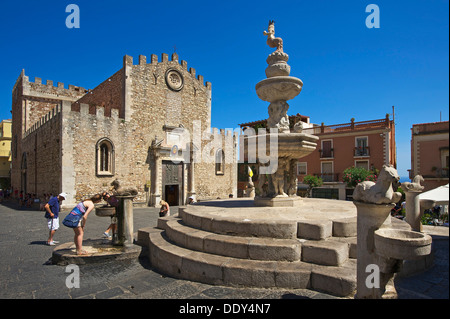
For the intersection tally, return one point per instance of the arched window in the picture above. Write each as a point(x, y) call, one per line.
point(220, 162)
point(105, 157)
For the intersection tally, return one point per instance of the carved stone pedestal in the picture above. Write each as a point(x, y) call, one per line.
point(292, 201)
point(124, 222)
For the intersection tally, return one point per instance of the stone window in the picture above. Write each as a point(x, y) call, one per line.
point(302, 168)
point(327, 173)
point(220, 162)
point(327, 150)
point(362, 146)
point(105, 157)
point(362, 164)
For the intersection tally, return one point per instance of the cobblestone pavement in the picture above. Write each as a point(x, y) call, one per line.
point(26, 273)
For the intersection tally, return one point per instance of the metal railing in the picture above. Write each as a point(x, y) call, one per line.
point(362, 151)
point(328, 177)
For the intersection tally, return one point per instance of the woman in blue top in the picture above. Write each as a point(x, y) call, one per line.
point(84, 207)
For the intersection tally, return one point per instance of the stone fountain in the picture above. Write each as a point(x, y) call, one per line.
point(310, 243)
point(277, 184)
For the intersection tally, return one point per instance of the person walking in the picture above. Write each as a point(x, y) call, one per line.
point(52, 209)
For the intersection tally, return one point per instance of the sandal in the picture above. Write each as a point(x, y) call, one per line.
point(82, 253)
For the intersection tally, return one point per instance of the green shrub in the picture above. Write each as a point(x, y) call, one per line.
point(312, 181)
point(354, 175)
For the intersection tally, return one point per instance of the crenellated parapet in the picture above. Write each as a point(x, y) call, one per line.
point(174, 59)
point(38, 89)
point(49, 117)
point(36, 102)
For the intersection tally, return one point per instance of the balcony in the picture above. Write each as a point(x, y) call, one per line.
point(328, 177)
point(327, 153)
point(438, 173)
point(362, 151)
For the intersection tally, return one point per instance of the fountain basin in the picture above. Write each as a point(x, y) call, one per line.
point(279, 88)
point(291, 145)
point(401, 244)
point(105, 211)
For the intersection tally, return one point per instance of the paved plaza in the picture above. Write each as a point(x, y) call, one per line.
point(27, 273)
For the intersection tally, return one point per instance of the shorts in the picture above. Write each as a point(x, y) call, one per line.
point(53, 223)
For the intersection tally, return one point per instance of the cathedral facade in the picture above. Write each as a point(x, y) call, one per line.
point(148, 126)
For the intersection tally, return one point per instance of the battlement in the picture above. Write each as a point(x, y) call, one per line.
point(128, 60)
point(49, 90)
point(50, 116)
point(224, 132)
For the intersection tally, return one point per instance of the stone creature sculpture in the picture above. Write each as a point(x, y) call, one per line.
point(278, 178)
point(118, 190)
point(298, 127)
point(278, 117)
point(415, 185)
point(380, 192)
point(271, 40)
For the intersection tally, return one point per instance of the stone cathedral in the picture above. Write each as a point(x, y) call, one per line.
point(148, 126)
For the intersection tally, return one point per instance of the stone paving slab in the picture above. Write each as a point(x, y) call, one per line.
point(25, 272)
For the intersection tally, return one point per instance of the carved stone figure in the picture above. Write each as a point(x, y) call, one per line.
point(292, 182)
point(415, 185)
point(380, 192)
point(278, 178)
point(298, 127)
point(117, 189)
point(271, 40)
point(278, 117)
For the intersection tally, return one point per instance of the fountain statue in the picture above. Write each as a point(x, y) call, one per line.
point(277, 89)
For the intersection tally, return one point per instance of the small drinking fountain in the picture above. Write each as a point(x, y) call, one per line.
point(122, 215)
point(379, 246)
point(414, 205)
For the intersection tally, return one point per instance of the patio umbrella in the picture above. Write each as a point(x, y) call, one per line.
point(439, 195)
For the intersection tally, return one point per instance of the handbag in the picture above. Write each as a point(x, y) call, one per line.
point(73, 219)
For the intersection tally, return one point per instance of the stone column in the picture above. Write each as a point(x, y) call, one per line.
point(156, 180)
point(124, 221)
point(191, 174)
point(371, 217)
point(413, 211)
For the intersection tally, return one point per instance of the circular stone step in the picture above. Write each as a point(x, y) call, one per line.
point(232, 246)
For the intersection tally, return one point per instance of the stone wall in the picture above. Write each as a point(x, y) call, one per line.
point(107, 94)
point(81, 132)
point(42, 149)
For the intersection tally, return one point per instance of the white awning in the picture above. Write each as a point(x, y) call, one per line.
point(439, 195)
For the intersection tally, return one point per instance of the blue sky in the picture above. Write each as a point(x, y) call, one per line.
point(348, 70)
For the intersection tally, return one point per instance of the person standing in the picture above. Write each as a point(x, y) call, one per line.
point(52, 209)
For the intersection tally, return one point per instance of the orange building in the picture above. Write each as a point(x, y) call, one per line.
point(430, 153)
point(368, 144)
